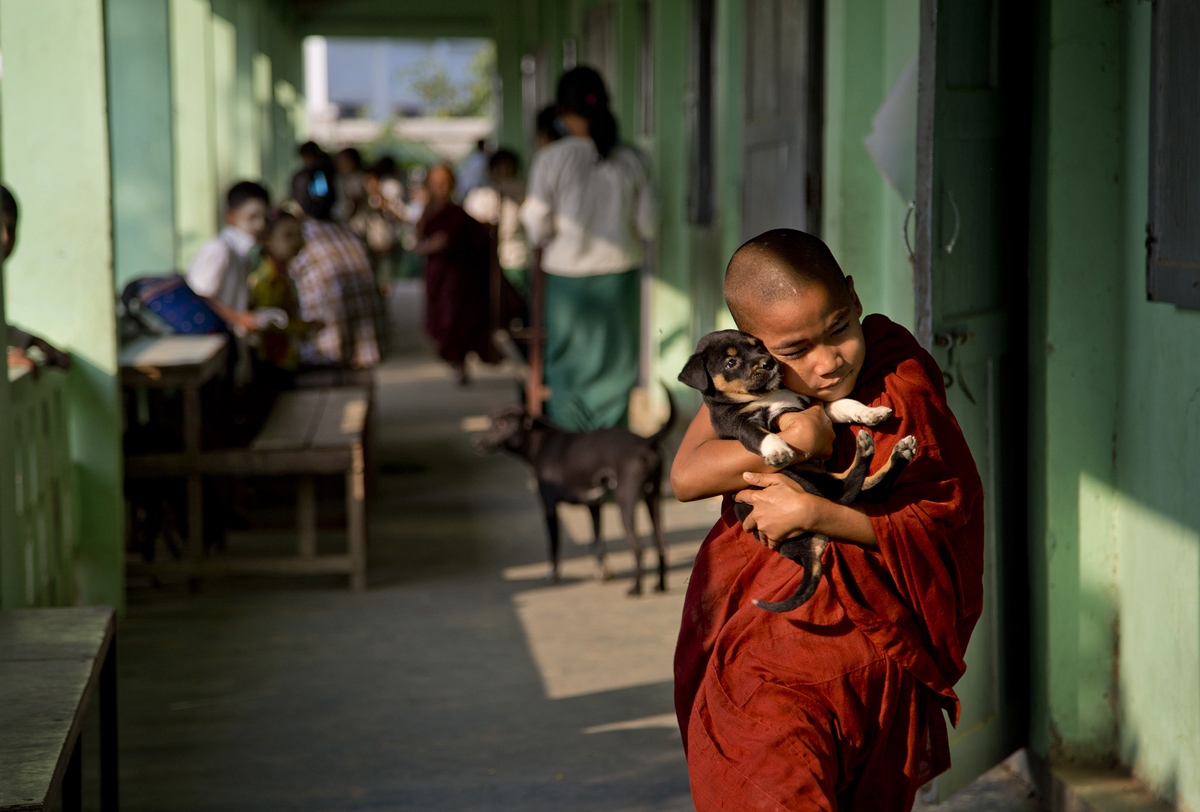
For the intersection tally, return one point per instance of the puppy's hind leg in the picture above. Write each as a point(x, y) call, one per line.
point(602, 573)
point(550, 509)
point(902, 454)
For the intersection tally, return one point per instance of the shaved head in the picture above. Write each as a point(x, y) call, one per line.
point(776, 266)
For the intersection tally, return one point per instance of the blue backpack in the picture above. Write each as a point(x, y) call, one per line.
point(175, 304)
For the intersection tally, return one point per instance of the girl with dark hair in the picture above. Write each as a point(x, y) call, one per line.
point(590, 205)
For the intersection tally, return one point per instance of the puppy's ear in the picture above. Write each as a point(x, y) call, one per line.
point(695, 373)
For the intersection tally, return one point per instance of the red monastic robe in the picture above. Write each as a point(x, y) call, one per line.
point(839, 704)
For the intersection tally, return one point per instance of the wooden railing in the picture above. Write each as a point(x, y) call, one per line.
point(46, 529)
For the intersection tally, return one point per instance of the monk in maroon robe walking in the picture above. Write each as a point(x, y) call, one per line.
point(457, 262)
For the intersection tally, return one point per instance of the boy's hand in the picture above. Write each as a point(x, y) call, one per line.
point(782, 508)
point(810, 432)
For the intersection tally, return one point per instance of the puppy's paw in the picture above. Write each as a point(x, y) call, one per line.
point(635, 591)
point(874, 416)
point(905, 447)
point(866, 445)
point(776, 452)
point(603, 575)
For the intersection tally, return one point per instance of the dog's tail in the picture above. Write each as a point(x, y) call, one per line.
point(666, 427)
point(807, 554)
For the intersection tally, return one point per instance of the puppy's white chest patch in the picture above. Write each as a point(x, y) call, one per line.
point(780, 401)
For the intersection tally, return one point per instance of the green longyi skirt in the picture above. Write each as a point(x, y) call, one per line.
point(592, 342)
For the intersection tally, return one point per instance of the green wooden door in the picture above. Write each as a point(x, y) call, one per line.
point(969, 300)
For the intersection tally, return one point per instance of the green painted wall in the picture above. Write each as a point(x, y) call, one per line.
point(56, 157)
point(868, 44)
point(1115, 524)
point(139, 97)
point(1157, 524)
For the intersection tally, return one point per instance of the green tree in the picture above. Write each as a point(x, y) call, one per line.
point(443, 97)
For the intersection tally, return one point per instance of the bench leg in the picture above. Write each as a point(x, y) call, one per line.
point(108, 730)
point(356, 519)
point(306, 515)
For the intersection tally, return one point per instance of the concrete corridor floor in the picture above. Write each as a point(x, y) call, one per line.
point(458, 681)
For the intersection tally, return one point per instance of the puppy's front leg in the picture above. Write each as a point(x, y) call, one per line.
point(771, 447)
point(847, 410)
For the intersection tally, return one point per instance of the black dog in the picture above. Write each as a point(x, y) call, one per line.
point(741, 384)
point(582, 469)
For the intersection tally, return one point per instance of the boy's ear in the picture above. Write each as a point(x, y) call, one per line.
point(854, 300)
point(695, 374)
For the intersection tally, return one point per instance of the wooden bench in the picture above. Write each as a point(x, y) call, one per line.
point(309, 432)
point(53, 664)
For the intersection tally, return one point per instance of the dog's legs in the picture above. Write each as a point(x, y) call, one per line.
point(602, 573)
point(653, 505)
point(550, 507)
point(628, 503)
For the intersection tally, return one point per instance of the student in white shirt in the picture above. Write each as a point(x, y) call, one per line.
point(591, 206)
point(221, 266)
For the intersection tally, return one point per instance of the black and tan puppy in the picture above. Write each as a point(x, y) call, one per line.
point(582, 469)
point(742, 386)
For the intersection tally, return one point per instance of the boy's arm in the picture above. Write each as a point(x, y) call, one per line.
point(705, 465)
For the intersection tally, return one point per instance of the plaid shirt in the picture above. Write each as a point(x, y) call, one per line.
point(337, 287)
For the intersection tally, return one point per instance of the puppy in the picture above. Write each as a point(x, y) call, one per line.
point(582, 469)
point(741, 384)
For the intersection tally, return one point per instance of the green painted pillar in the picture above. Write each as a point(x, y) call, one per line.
point(672, 317)
point(223, 76)
point(59, 283)
point(1075, 350)
point(247, 159)
point(139, 94)
point(507, 26)
point(192, 127)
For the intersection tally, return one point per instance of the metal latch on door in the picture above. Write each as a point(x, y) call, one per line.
point(950, 340)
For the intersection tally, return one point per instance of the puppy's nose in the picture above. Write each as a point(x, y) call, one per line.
point(767, 364)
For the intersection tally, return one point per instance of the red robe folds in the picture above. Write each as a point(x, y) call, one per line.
point(839, 704)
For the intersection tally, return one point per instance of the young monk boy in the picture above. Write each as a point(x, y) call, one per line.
point(839, 704)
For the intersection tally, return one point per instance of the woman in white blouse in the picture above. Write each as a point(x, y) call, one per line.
point(590, 205)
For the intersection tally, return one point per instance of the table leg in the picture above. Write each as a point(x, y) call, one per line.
point(108, 730)
point(195, 489)
point(306, 515)
point(357, 519)
point(72, 783)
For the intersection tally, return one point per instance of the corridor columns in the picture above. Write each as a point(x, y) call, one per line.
point(192, 131)
point(139, 97)
point(59, 283)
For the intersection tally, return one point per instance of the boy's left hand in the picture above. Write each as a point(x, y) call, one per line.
point(782, 508)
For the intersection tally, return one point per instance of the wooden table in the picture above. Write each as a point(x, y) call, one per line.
point(52, 663)
point(185, 362)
